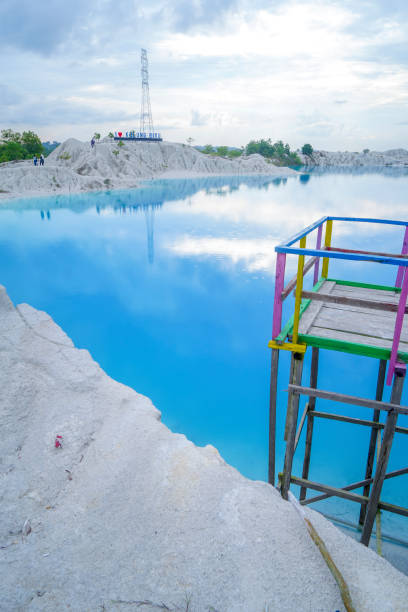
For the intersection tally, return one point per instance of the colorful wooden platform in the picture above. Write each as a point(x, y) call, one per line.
point(332, 337)
point(352, 317)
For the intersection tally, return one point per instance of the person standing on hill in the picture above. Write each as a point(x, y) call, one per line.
point(35, 160)
point(41, 159)
point(92, 142)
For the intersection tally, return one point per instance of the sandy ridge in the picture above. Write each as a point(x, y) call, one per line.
point(74, 167)
point(393, 158)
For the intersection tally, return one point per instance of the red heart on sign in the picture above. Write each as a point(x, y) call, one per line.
point(120, 134)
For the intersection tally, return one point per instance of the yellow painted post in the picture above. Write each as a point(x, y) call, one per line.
point(327, 243)
point(298, 296)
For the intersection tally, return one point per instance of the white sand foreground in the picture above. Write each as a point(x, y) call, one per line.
point(128, 516)
point(74, 166)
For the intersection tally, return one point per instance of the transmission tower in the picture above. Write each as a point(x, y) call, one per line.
point(146, 121)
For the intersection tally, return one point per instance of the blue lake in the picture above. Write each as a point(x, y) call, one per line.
point(170, 287)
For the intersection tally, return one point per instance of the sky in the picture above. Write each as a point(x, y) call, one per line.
point(333, 73)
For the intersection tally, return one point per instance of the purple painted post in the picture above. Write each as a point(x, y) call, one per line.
point(404, 251)
point(398, 326)
point(277, 304)
point(318, 245)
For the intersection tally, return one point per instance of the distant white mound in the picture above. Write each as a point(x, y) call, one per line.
point(396, 158)
point(75, 166)
point(127, 515)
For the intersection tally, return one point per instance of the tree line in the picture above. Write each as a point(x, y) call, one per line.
point(14, 146)
point(277, 152)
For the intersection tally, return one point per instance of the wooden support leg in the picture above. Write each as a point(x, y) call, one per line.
point(373, 439)
point(310, 420)
point(292, 417)
point(272, 415)
point(384, 455)
point(285, 433)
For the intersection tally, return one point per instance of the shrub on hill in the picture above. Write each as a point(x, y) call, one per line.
point(221, 151)
point(278, 152)
point(14, 146)
point(307, 149)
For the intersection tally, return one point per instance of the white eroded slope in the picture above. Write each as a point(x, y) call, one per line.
point(128, 515)
point(395, 158)
point(74, 166)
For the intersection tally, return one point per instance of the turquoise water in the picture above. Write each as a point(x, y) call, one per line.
point(170, 287)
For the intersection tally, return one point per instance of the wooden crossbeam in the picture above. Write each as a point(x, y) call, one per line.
point(314, 366)
point(382, 460)
point(292, 283)
point(347, 399)
point(354, 485)
point(336, 492)
point(375, 435)
point(354, 421)
point(348, 301)
point(291, 422)
point(302, 422)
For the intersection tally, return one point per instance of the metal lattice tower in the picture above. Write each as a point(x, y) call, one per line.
point(146, 121)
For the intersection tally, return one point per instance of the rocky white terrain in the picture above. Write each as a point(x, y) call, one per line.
point(397, 158)
point(74, 166)
point(127, 515)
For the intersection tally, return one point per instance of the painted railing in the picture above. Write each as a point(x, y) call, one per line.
point(327, 252)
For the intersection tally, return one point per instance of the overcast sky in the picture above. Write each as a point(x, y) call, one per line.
point(332, 73)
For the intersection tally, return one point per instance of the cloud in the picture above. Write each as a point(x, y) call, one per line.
point(38, 26)
point(198, 118)
point(301, 29)
point(191, 14)
point(44, 27)
point(62, 111)
point(255, 254)
point(223, 72)
point(9, 96)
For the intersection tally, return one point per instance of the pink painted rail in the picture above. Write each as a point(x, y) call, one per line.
point(277, 304)
point(318, 245)
point(398, 326)
point(404, 251)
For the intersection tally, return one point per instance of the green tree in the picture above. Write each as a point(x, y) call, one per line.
point(307, 149)
point(10, 136)
point(262, 147)
point(31, 143)
point(14, 146)
point(97, 136)
point(208, 149)
point(222, 151)
point(278, 152)
point(235, 153)
point(279, 148)
point(11, 151)
point(251, 147)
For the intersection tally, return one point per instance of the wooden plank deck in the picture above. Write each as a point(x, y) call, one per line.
point(358, 326)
